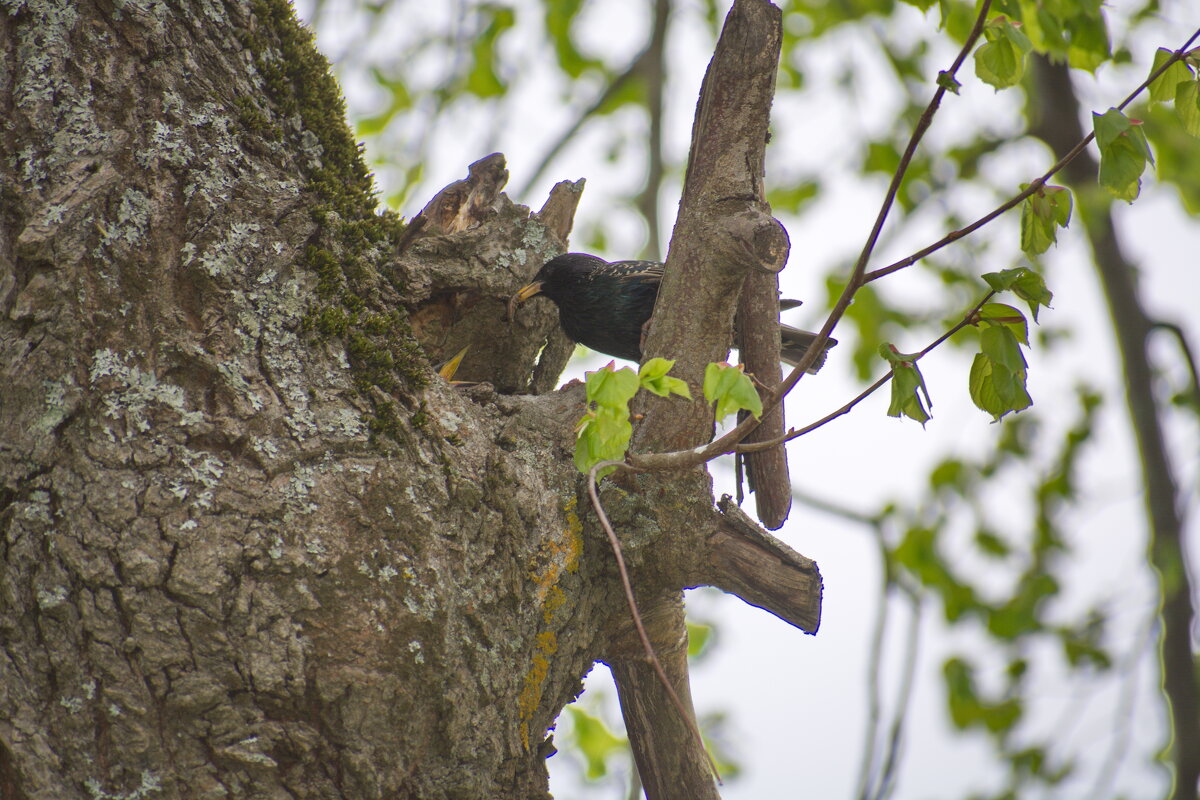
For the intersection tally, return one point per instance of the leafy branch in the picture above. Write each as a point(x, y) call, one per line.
point(1046, 215)
point(683, 459)
point(602, 435)
point(1035, 185)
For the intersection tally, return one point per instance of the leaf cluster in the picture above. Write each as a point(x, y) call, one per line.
point(604, 431)
point(998, 375)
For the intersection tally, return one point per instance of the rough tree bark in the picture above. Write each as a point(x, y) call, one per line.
point(252, 544)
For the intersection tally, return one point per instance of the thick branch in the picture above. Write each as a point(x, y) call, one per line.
point(669, 759)
point(453, 272)
point(724, 229)
point(758, 330)
point(748, 562)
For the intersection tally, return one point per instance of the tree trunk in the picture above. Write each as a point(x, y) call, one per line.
point(252, 544)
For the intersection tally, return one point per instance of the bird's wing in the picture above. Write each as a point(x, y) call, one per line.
point(633, 270)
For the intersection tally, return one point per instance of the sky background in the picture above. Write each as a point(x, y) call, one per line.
point(797, 704)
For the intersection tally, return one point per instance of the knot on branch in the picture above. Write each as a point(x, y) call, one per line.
point(750, 239)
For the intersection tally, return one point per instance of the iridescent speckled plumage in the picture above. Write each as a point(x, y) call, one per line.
point(605, 305)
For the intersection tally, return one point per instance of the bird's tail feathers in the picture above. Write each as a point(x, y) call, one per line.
point(795, 343)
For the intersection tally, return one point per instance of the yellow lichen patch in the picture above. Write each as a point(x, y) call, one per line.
point(554, 600)
point(531, 692)
point(558, 554)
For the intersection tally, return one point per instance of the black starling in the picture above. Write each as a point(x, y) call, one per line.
point(605, 306)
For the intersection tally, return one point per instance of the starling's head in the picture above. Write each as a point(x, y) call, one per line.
point(555, 277)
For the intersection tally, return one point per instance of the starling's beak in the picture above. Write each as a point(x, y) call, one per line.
point(527, 291)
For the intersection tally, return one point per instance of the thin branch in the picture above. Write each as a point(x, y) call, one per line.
point(833, 509)
point(874, 699)
point(641, 63)
point(1167, 547)
point(654, 71)
point(615, 544)
point(1188, 355)
point(1122, 723)
point(682, 459)
point(1034, 186)
point(968, 319)
point(904, 692)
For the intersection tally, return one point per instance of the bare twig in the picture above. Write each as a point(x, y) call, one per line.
point(615, 544)
point(887, 779)
point(583, 117)
point(1123, 716)
point(1189, 357)
point(654, 72)
point(833, 509)
point(874, 691)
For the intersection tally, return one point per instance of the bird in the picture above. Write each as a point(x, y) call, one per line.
point(605, 306)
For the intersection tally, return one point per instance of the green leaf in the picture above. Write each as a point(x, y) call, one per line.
point(1000, 62)
point(991, 544)
point(1003, 280)
point(1089, 45)
point(793, 196)
point(482, 80)
point(699, 637)
point(1042, 213)
point(997, 381)
point(401, 100)
point(1164, 86)
point(995, 389)
point(1187, 106)
point(731, 389)
point(882, 157)
point(602, 435)
point(654, 378)
point(595, 741)
point(917, 552)
point(1044, 29)
point(1002, 716)
point(1025, 284)
point(948, 82)
point(907, 385)
point(612, 388)
point(1108, 126)
point(967, 709)
point(560, 15)
point(960, 692)
point(1001, 314)
point(1083, 646)
point(948, 474)
point(1175, 154)
point(1123, 153)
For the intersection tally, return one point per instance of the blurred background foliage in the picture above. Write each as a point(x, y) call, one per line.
point(433, 86)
